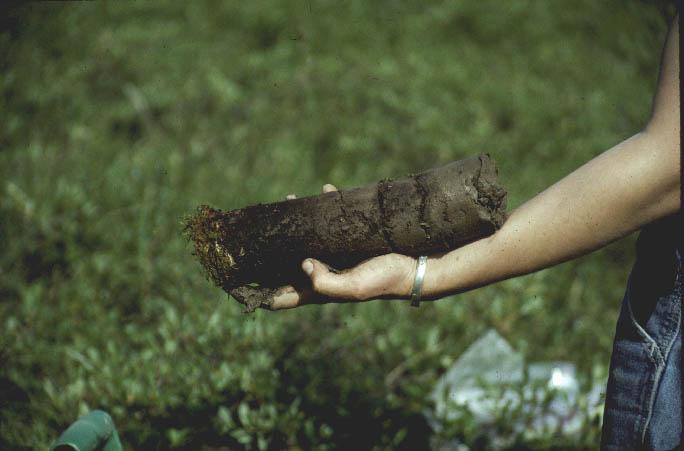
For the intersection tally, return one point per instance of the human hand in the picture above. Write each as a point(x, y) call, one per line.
point(384, 276)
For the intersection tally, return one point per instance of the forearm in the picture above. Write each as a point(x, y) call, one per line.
point(614, 194)
point(632, 184)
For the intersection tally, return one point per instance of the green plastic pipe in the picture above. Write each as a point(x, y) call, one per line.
point(93, 432)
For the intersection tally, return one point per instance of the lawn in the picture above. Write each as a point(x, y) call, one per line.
point(119, 119)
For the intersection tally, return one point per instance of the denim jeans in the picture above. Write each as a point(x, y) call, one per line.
point(643, 408)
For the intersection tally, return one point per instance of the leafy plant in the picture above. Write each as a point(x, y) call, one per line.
point(118, 119)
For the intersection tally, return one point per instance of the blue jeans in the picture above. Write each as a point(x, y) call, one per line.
point(643, 408)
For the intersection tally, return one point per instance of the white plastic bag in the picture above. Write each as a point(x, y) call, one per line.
point(491, 362)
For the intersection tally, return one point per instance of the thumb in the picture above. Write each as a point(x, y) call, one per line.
point(326, 282)
point(313, 268)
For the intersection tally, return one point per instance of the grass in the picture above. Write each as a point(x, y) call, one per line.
point(120, 119)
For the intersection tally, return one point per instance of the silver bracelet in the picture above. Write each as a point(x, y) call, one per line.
point(418, 282)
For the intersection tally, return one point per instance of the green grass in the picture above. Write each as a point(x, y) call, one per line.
point(120, 119)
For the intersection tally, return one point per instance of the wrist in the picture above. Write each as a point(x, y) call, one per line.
point(407, 276)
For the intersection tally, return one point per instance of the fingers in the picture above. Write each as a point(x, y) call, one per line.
point(330, 284)
point(267, 298)
point(253, 297)
point(327, 188)
point(291, 297)
point(286, 298)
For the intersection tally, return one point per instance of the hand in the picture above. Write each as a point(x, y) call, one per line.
point(384, 276)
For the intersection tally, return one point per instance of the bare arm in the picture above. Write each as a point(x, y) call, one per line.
point(630, 185)
point(614, 194)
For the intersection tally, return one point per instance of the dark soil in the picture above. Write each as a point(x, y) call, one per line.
point(433, 211)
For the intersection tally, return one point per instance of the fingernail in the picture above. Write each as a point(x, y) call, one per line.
point(307, 266)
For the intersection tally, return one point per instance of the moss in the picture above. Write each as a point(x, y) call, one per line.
point(204, 229)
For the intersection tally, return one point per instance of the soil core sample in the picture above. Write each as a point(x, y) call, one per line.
point(436, 210)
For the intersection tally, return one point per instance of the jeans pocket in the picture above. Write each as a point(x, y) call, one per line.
point(638, 327)
point(653, 300)
point(646, 332)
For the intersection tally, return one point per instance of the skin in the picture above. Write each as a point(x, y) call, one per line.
point(616, 193)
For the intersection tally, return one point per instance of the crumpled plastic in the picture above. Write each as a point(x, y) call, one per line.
point(491, 361)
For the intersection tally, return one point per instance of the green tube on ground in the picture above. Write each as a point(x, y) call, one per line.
point(93, 432)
